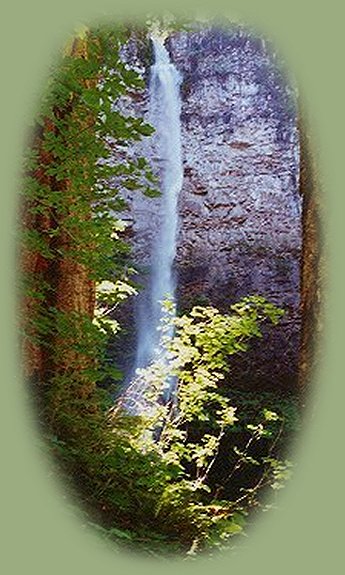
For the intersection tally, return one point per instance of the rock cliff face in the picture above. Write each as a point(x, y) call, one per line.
point(239, 209)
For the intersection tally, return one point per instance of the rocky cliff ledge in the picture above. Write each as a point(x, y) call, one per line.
point(240, 208)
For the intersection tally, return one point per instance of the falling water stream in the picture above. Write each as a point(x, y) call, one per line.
point(165, 107)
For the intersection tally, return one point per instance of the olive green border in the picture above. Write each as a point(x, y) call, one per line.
point(40, 534)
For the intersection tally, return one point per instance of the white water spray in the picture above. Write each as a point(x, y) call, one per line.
point(165, 107)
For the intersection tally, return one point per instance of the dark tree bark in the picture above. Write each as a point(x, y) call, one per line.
point(311, 259)
point(70, 288)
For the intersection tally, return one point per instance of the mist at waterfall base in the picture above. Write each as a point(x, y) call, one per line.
point(164, 116)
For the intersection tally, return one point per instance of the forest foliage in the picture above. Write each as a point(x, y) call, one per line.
point(182, 475)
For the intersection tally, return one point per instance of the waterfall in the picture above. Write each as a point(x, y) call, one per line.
point(165, 107)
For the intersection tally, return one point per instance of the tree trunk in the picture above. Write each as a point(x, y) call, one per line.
point(310, 262)
point(69, 288)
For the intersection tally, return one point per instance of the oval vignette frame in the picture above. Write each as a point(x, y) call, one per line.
point(290, 489)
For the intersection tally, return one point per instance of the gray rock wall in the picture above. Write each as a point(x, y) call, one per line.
point(240, 211)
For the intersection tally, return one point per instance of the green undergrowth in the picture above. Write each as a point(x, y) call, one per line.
point(182, 476)
point(118, 486)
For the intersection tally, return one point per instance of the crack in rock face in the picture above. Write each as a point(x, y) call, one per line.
point(239, 209)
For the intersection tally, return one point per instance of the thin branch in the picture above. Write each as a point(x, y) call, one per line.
point(203, 478)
